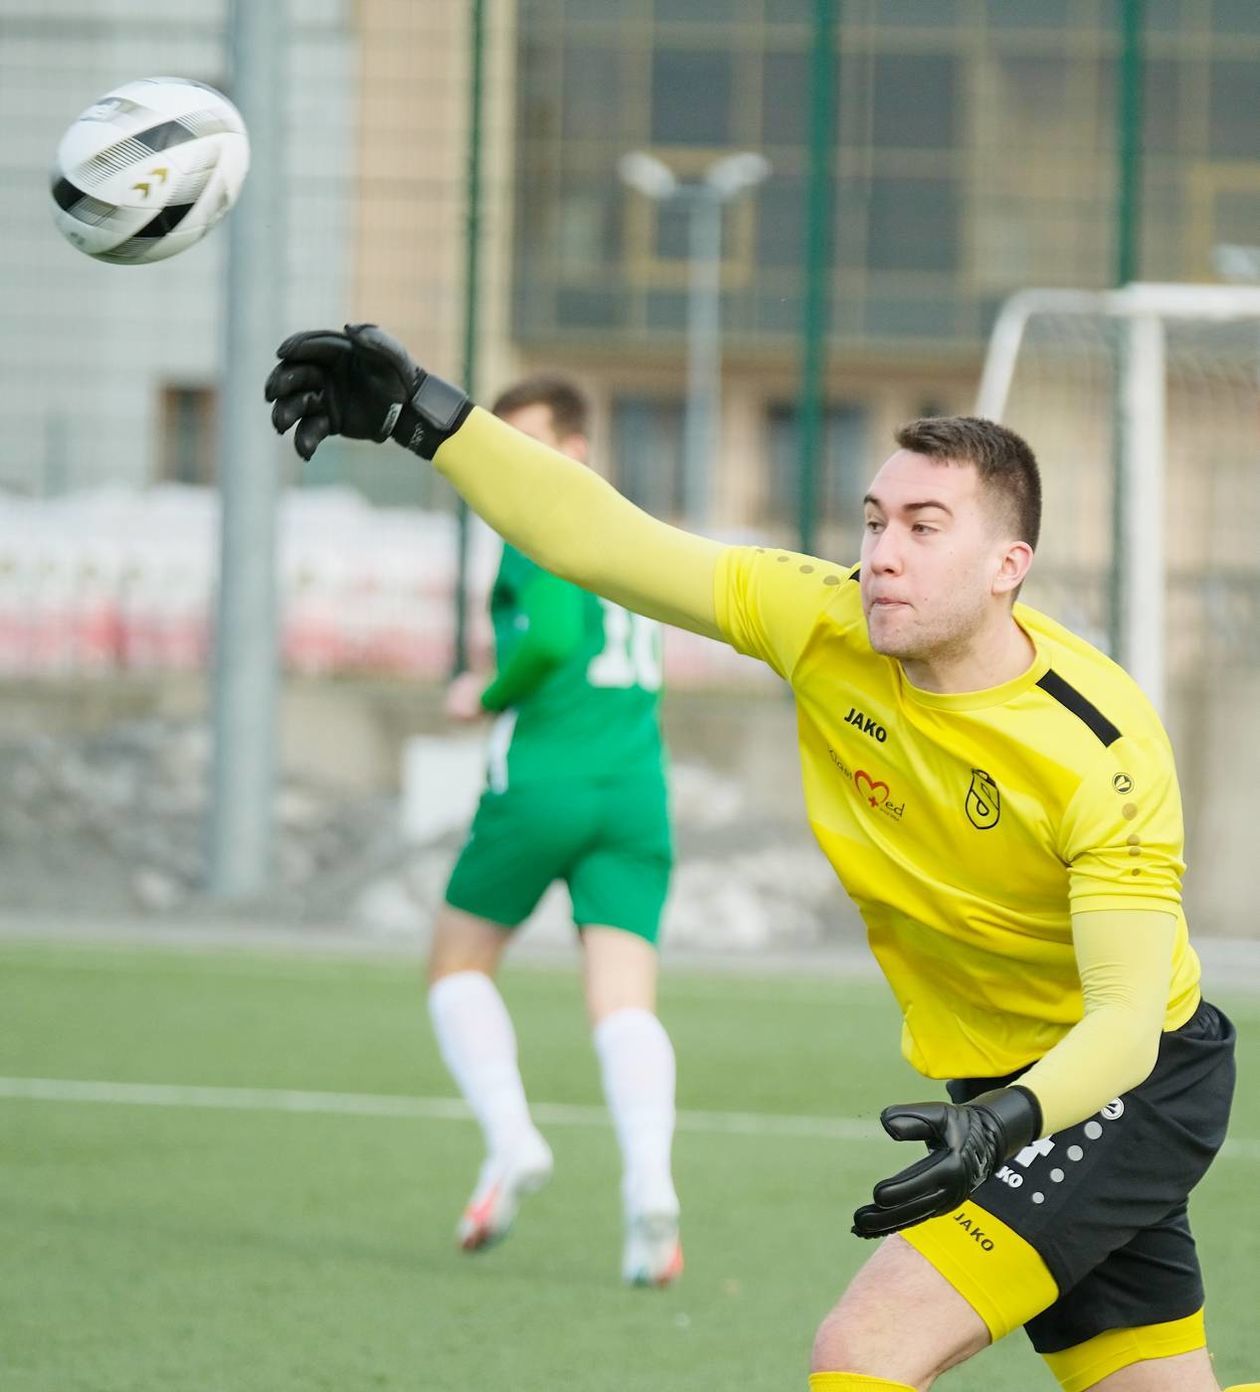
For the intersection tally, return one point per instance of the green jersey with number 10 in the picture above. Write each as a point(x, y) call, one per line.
point(597, 711)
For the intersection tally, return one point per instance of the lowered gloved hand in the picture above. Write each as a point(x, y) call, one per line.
point(966, 1143)
point(361, 384)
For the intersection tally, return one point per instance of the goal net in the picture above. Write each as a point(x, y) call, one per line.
point(1143, 408)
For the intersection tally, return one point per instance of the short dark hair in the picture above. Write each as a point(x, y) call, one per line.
point(1006, 465)
point(570, 410)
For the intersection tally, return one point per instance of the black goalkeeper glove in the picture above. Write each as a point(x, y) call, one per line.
point(966, 1144)
point(361, 384)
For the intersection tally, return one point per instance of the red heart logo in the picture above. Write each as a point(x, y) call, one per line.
point(876, 792)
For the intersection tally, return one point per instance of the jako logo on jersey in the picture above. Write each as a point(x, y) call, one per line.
point(1043, 1146)
point(983, 802)
point(976, 1231)
point(866, 724)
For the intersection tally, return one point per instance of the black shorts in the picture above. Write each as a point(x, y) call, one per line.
point(1104, 1202)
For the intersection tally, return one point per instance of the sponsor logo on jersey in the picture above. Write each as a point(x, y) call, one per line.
point(876, 792)
point(983, 802)
point(839, 763)
point(861, 721)
point(1122, 783)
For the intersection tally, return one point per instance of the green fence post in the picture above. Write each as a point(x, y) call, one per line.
point(815, 318)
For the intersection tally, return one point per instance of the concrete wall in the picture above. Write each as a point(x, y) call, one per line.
point(741, 749)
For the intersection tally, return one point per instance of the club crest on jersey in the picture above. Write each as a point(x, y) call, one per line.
point(983, 803)
point(867, 726)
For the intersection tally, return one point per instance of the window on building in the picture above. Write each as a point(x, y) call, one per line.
point(699, 11)
point(1164, 16)
point(1162, 105)
point(781, 221)
point(672, 241)
point(1232, 17)
point(915, 101)
point(188, 440)
point(922, 14)
point(588, 228)
point(914, 225)
point(785, 97)
point(691, 97)
point(842, 476)
point(1028, 14)
point(647, 440)
point(585, 11)
point(593, 99)
point(1234, 114)
point(789, 12)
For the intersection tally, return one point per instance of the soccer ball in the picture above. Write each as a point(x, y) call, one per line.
point(148, 170)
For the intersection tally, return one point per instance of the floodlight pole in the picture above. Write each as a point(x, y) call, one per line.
point(725, 179)
point(472, 305)
point(704, 350)
point(245, 643)
point(816, 300)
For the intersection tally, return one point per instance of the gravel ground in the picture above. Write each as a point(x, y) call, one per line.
point(112, 826)
point(103, 835)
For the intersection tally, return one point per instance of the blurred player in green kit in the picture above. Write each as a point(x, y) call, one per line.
point(575, 791)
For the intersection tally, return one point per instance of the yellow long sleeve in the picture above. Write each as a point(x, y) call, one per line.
point(580, 528)
point(1124, 958)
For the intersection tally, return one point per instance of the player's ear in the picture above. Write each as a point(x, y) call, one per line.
point(1014, 563)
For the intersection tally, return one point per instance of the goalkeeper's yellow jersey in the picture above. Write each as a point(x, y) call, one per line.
point(968, 828)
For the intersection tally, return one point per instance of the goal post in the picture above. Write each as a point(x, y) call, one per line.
point(1157, 378)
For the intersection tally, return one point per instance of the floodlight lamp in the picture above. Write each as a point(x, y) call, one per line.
point(647, 175)
point(732, 174)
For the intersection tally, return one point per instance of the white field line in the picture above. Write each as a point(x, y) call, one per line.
point(448, 1109)
point(407, 1108)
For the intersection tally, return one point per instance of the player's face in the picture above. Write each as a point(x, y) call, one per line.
point(539, 424)
point(935, 558)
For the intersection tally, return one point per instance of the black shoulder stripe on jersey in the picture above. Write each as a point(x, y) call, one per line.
point(1066, 695)
point(857, 574)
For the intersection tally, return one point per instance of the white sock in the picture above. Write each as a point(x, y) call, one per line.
point(637, 1063)
point(478, 1045)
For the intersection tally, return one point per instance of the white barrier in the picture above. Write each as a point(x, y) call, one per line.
point(111, 580)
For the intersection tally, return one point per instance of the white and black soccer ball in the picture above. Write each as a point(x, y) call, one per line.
point(149, 169)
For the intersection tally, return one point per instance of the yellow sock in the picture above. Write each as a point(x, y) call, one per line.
point(857, 1382)
point(1237, 1387)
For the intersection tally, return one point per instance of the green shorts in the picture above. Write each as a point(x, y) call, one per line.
point(608, 839)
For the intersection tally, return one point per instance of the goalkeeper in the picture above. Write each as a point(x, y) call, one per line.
point(1001, 803)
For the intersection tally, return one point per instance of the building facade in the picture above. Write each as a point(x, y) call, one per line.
point(975, 152)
